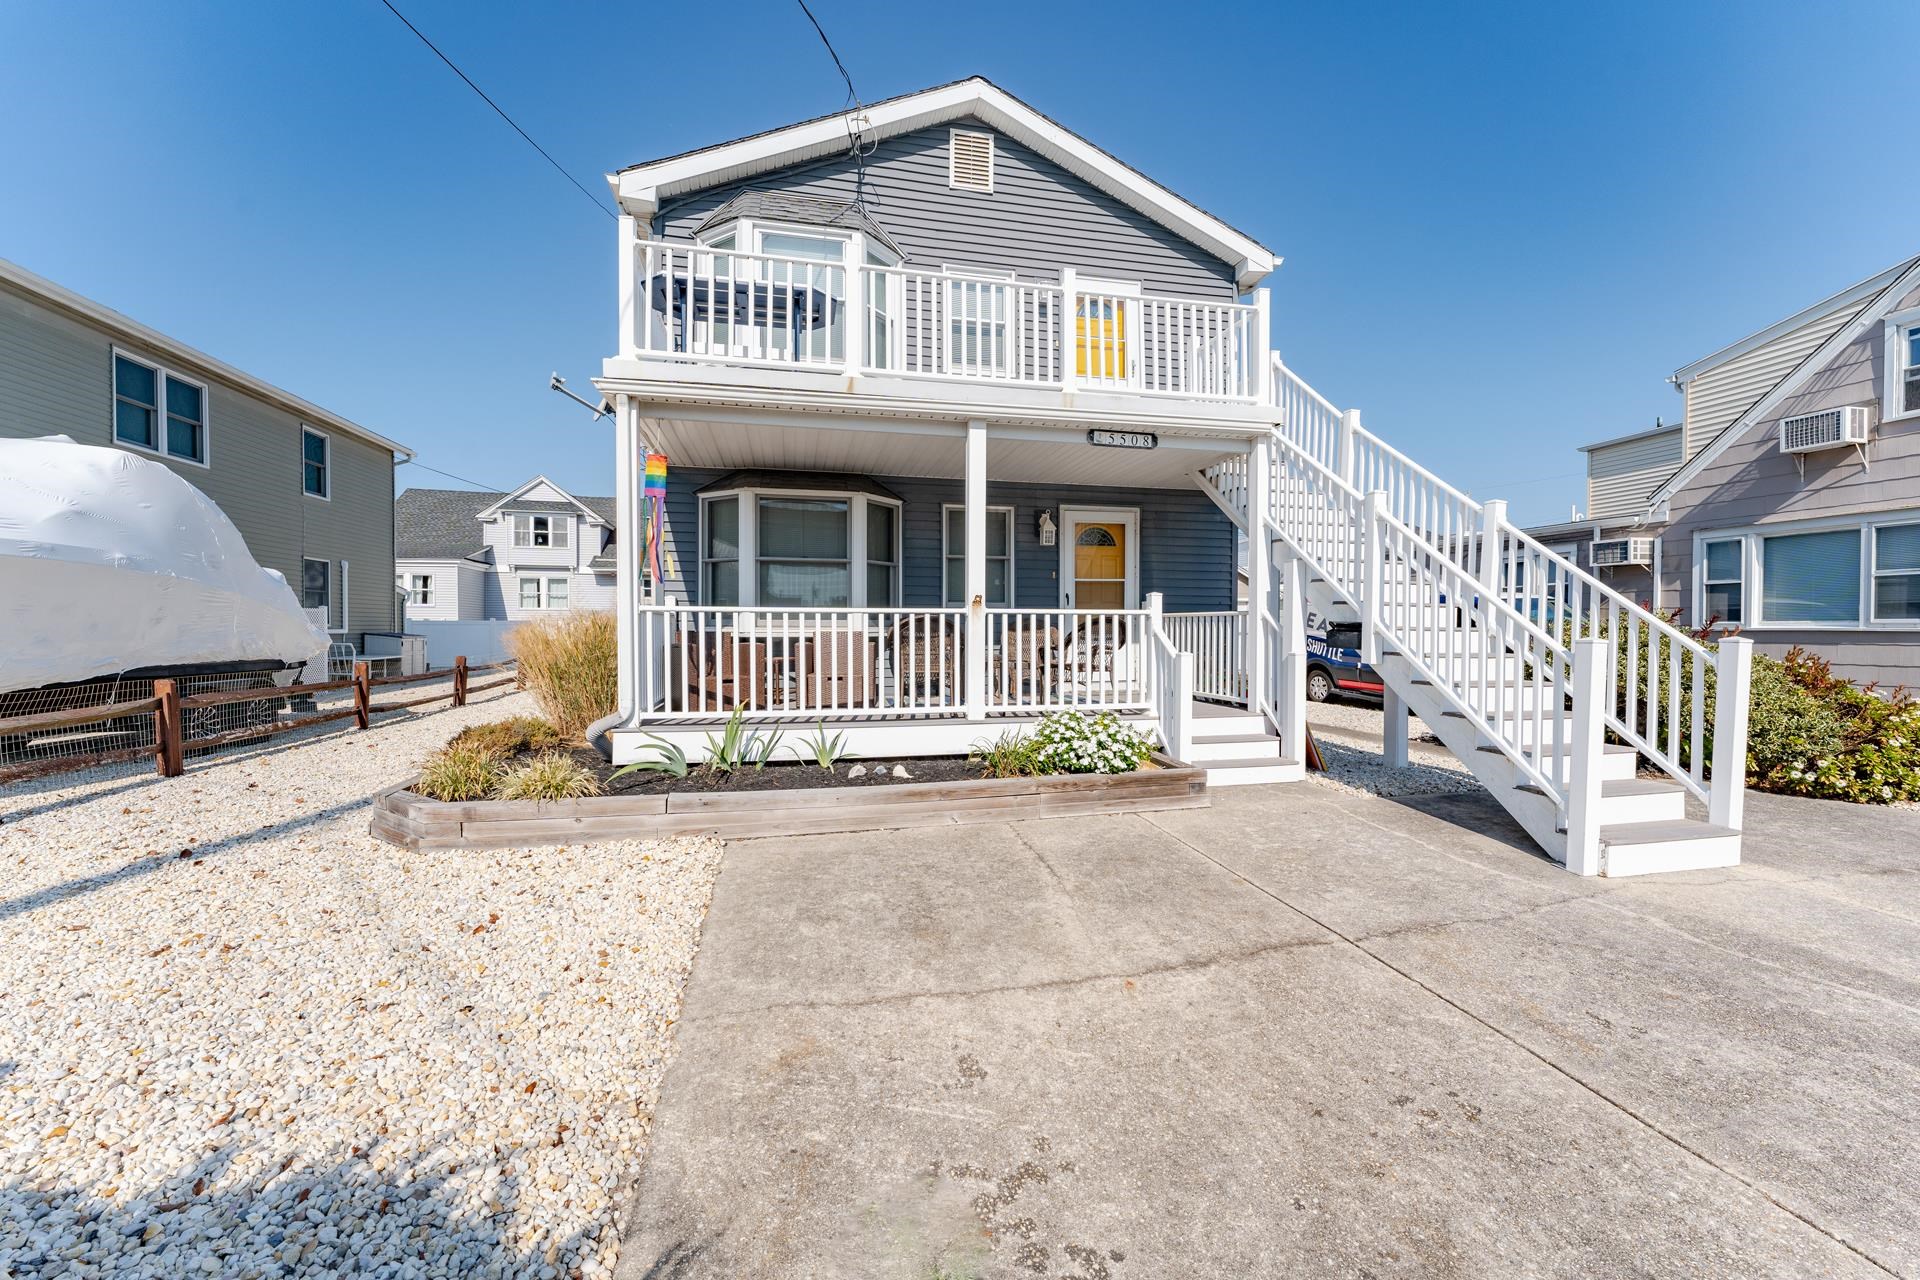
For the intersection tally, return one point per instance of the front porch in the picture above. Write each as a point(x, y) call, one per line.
point(941, 584)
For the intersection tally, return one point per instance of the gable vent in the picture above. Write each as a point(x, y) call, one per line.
point(970, 161)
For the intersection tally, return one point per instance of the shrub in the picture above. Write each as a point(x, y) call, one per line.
point(1811, 733)
point(504, 738)
point(1008, 756)
point(552, 776)
point(1074, 742)
point(459, 771)
point(568, 662)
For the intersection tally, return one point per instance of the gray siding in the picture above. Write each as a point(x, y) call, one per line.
point(1038, 218)
point(1717, 397)
point(1753, 483)
point(1186, 544)
point(56, 377)
point(1621, 476)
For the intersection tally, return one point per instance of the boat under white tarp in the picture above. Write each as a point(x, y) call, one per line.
point(111, 563)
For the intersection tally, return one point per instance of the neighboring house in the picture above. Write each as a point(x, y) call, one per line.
point(310, 491)
point(1787, 501)
point(467, 556)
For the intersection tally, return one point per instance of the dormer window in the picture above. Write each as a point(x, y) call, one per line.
point(540, 531)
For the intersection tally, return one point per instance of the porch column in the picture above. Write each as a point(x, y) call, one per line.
point(974, 650)
point(1259, 643)
point(627, 550)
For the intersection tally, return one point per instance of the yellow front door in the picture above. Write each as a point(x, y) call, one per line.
point(1099, 565)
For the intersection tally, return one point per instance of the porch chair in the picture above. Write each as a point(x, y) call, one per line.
point(1027, 665)
point(722, 670)
point(837, 670)
point(926, 661)
point(1091, 652)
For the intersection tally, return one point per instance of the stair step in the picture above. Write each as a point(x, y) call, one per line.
point(1680, 844)
point(1250, 770)
point(1233, 746)
point(1633, 801)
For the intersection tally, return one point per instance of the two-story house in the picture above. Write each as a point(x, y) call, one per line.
point(966, 419)
point(1786, 502)
point(472, 556)
point(309, 490)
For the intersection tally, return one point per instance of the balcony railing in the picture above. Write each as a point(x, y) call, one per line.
point(690, 302)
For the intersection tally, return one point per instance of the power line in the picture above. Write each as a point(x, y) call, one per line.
point(856, 111)
point(509, 119)
point(415, 462)
point(853, 99)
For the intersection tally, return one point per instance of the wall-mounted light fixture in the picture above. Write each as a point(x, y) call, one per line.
point(1047, 529)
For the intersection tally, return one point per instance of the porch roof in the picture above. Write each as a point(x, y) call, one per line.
point(849, 450)
point(837, 481)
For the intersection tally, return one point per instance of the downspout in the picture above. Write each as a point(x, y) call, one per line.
point(630, 539)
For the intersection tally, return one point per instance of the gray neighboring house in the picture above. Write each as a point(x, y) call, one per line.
point(309, 490)
point(476, 556)
point(1786, 501)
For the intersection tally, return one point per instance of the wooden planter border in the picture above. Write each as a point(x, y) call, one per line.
point(414, 821)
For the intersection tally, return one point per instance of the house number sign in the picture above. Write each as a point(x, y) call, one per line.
point(1123, 439)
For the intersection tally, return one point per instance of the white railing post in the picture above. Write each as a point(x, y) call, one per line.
point(1373, 575)
point(628, 469)
point(1259, 569)
point(1493, 519)
point(1345, 444)
point(1262, 340)
point(1588, 727)
point(1292, 699)
point(1733, 676)
point(974, 674)
point(1069, 328)
point(853, 312)
point(629, 285)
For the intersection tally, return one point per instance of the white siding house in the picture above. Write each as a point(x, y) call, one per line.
point(467, 556)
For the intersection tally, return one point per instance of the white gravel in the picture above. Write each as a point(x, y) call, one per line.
point(240, 1037)
point(1348, 735)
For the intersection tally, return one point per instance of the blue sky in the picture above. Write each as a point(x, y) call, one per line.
point(1503, 225)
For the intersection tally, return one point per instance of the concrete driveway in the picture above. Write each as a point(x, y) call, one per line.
point(1300, 1033)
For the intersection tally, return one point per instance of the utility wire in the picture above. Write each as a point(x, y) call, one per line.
point(510, 120)
point(855, 109)
point(415, 462)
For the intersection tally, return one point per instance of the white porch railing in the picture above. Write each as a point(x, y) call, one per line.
point(693, 302)
point(1218, 643)
point(703, 662)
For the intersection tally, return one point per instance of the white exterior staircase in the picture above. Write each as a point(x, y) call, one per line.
point(1589, 719)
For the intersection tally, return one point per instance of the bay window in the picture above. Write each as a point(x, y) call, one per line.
point(953, 540)
point(775, 549)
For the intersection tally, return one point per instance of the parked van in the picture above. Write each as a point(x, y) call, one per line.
point(1334, 666)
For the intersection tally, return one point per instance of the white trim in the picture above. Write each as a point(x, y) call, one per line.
point(1753, 570)
point(161, 374)
point(1665, 428)
point(1849, 296)
point(1762, 409)
point(1893, 390)
point(487, 513)
point(326, 468)
point(302, 593)
point(543, 582)
point(641, 188)
point(953, 159)
point(133, 331)
point(1129, 517)
point(946, 554)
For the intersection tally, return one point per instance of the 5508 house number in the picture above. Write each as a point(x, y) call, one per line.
point(1123, 439)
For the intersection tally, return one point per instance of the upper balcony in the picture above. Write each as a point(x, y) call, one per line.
point(698, 318)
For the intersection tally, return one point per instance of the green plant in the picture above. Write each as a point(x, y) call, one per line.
point(761, 746)
point(728, 750)
point(459, 772)
point(821, 749)
point(669, 759)
point(1074, 742)
point(568, 662)
point(1008, 756)
point(504, 738)
point(552, 776)
point(1812, 733)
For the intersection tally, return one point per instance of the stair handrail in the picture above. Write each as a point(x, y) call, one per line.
point(1640, 643)
point(1502, 629)
point(1170, 672)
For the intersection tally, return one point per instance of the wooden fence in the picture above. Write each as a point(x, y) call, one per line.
point(168, 707)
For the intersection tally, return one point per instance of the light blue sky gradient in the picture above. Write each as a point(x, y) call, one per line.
point(1503, 225)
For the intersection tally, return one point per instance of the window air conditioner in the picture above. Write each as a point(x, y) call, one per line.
point(1828, 429)
point(1623, 551)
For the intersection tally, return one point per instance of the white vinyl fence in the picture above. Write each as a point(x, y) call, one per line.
point(480, 641)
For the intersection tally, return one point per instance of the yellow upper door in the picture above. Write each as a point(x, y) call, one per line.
point(1100, 339)
point(1099, 565)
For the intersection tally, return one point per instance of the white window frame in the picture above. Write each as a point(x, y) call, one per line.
point(328, 604)
point(557, 537)
point(419, 588)
point(1701, 615)
point(749, 534)
point(1874, 573)
point(1753, 571)
point(1893, 392)
point(326, 467)
point(542, 590)
point(947, 553)
point(162, 374)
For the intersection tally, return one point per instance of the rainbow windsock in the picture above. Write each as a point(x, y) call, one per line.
point(653, 494)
